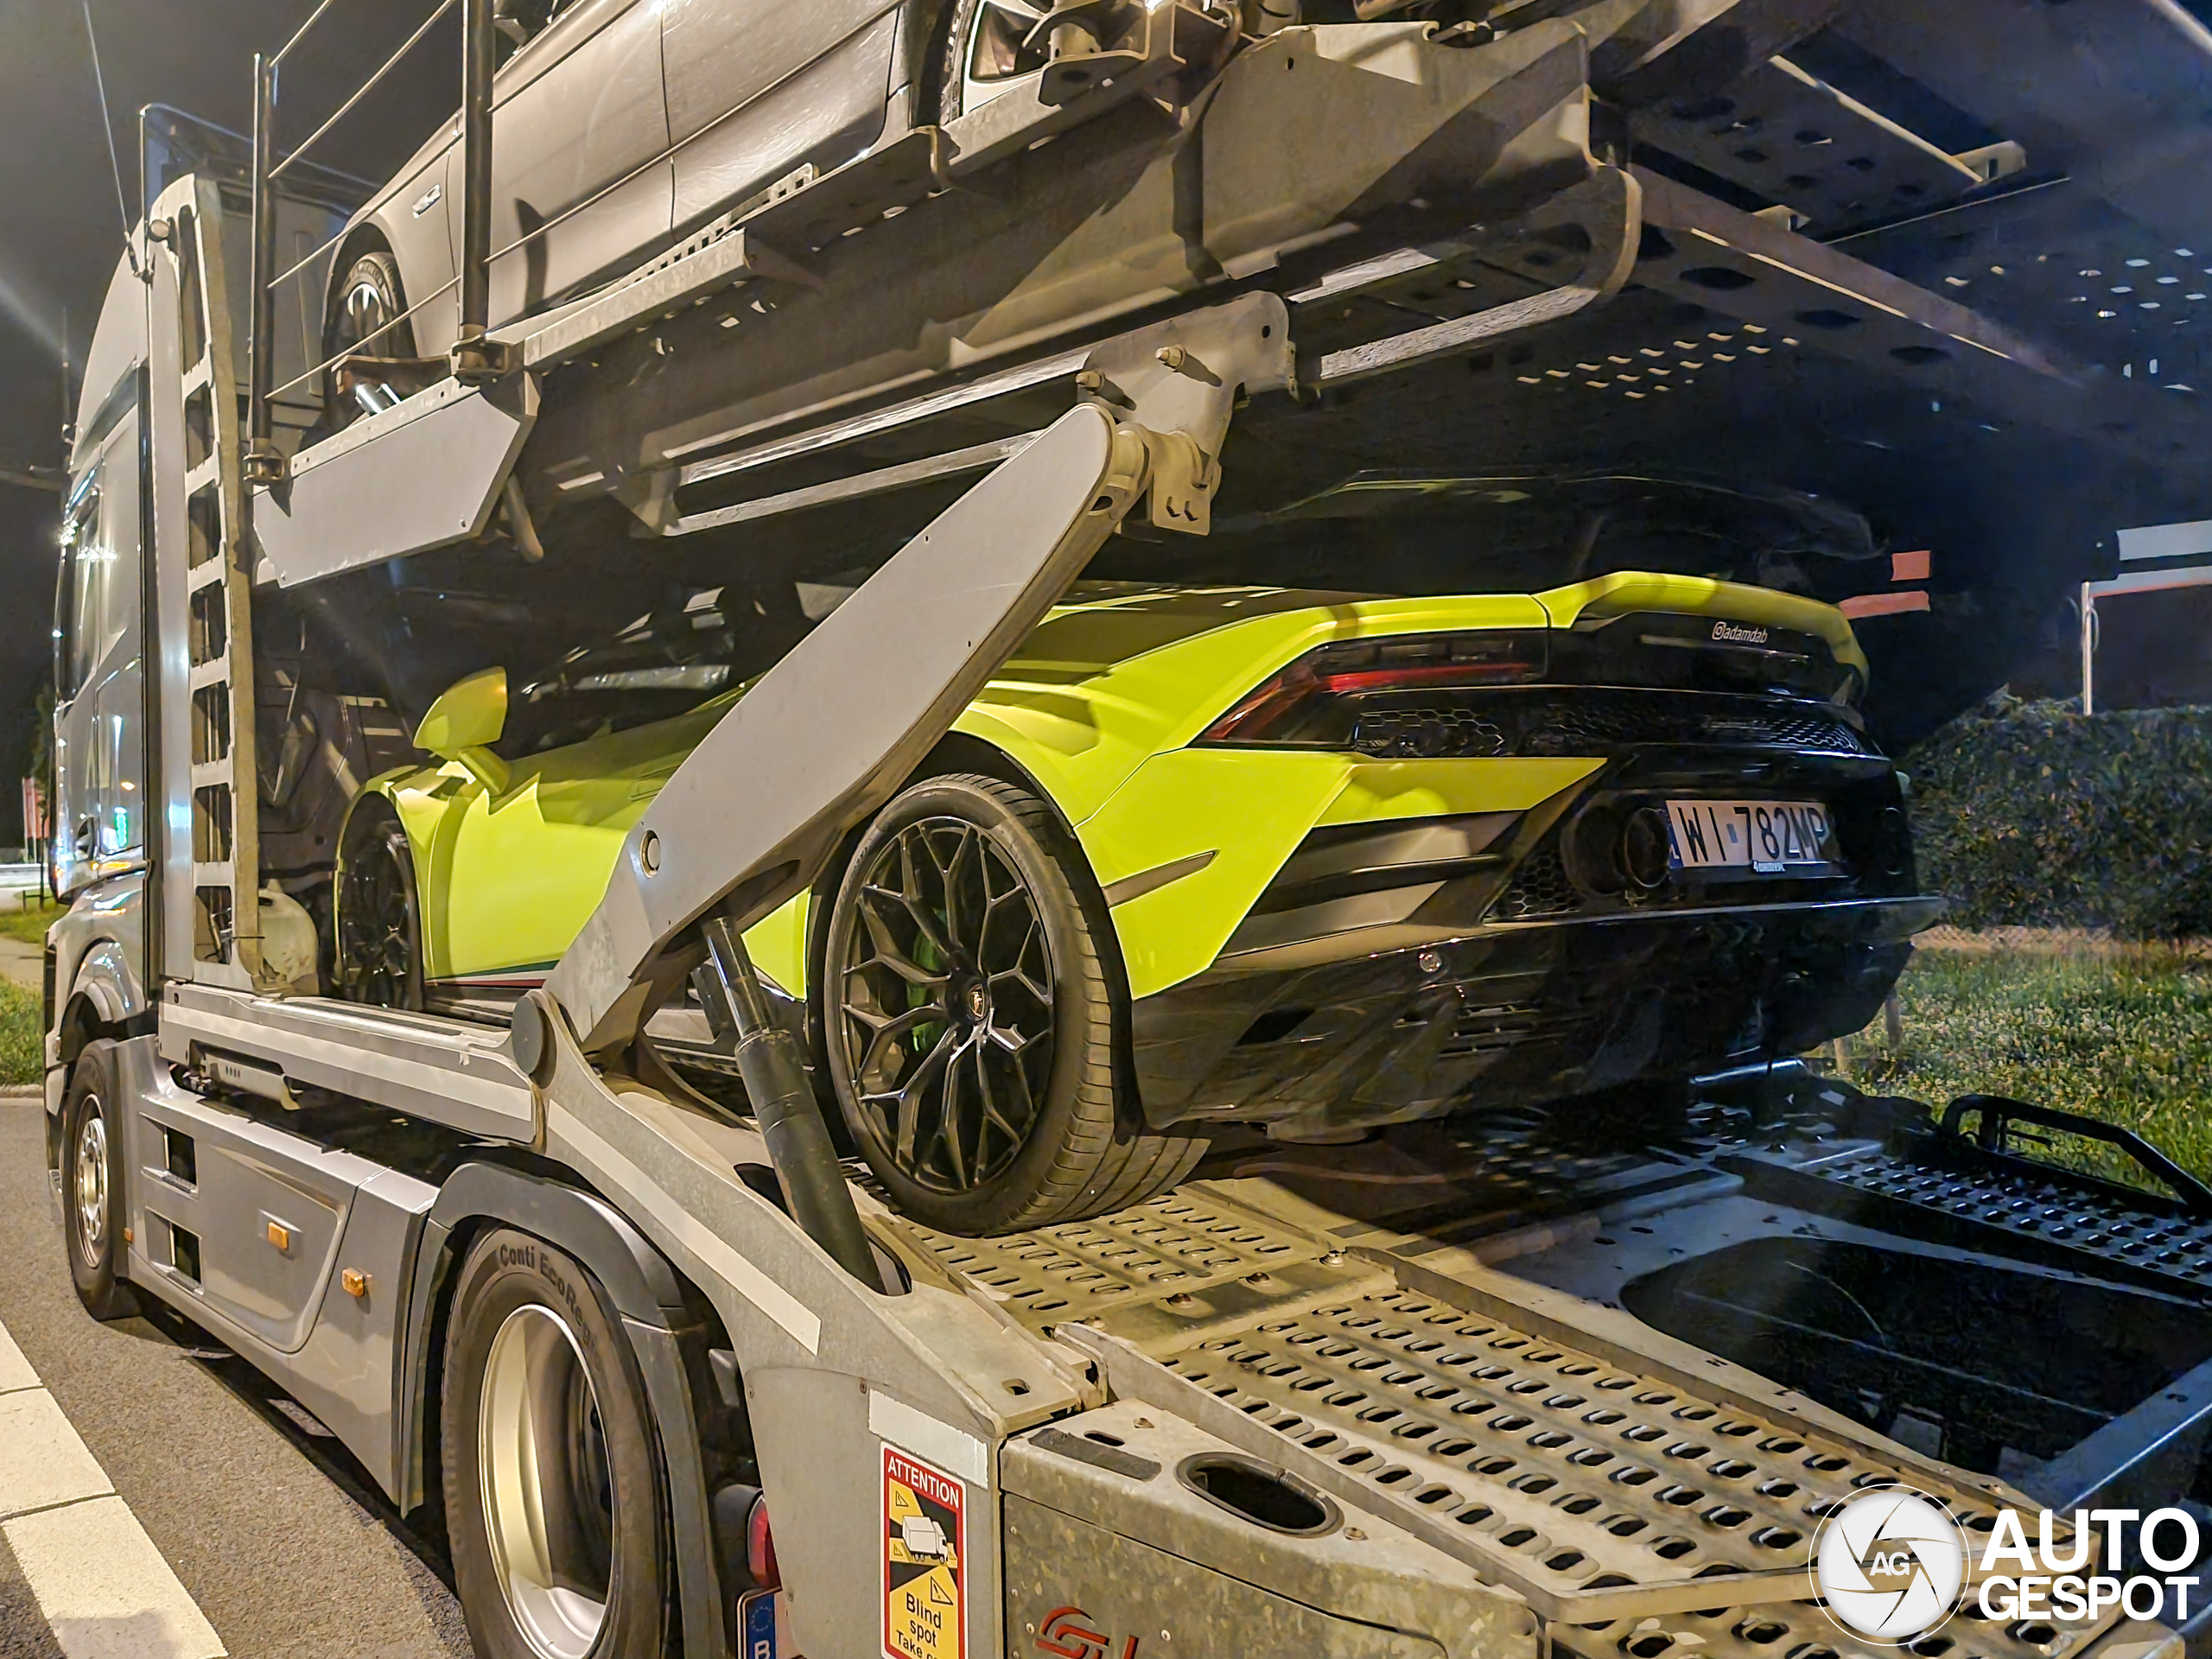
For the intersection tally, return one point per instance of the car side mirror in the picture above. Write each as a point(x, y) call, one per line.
point(465, 722)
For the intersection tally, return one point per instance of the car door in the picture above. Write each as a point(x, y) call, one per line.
point(577, 109)
point(755, 87)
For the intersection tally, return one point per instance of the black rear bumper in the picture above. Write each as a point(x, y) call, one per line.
point(1519, 1014)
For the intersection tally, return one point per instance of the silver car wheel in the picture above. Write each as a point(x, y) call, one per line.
point(995, 58)
point(541, 1458)
point(90, 1180)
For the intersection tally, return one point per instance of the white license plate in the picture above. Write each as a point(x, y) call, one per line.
point(1766, 837)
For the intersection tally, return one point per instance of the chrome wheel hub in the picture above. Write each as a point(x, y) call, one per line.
point(90, 1182)
point(548, 1503)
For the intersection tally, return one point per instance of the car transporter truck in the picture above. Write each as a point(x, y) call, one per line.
point(583, 1265)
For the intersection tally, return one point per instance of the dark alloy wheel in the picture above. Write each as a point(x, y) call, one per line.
point(988, 51)
point(364, 316)
point(556, 1496)
point(92, 1186)
point(379, 921)
point(970, 1025)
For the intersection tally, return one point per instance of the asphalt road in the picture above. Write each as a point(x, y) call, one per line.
point(273, 1530)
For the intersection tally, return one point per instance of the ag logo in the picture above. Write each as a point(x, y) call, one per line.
point(1889, 1564)
point(1066, 1634)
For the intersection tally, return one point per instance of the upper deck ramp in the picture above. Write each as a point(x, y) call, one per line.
point(1946, 265)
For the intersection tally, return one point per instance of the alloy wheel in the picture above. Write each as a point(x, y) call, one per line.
point(376, 932)
point(946, 1005)
point(90, 1183)
point(368, 321)
point(367, 313)
point(548, 1499)
point(997, 54)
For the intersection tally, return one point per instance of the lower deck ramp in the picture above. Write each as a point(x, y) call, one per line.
point(1643, 1496)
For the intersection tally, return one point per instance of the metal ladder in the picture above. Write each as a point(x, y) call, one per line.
point(226, 842)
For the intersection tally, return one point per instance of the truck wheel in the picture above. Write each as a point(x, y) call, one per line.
point(365, 310)
point(968, 1018)
point(986, 53)
point(556, 1500)
point(379, 922)
point(92, 1186)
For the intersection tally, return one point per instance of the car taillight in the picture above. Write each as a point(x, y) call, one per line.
point(1316, 702)
point(761, 1548)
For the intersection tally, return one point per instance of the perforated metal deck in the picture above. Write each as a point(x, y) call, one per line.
point(1191, 1258)
point(1609, 1487)
point(2018, 1213)
point(1566, 1472)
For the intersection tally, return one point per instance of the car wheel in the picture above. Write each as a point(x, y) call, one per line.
point(365, 309)
point(556, 1508)
point(968, 1020)
point(987, 52)
point(380, 920)
point(92, 1186)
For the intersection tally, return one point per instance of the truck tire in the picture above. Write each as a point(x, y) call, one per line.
point(379, 924)
point(555, 1496)
point(968, 1017)
point(92, 1186)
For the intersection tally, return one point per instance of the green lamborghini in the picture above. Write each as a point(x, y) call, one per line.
point(1309, 861)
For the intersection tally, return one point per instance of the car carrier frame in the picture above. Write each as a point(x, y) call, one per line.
point(1490, 1389)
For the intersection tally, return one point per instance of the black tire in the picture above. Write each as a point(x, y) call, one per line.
point(360, 317)
point(561, 1549)
point(379, 914)
point(968, 1017)
point(92, 1186)
point(960, 40)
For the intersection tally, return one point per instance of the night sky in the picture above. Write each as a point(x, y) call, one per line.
point(62, 231)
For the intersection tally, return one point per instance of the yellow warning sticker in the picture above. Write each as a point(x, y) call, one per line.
point(924, 1560)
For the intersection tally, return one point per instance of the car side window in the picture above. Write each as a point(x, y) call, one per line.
point(664, 664)
point(521, 21)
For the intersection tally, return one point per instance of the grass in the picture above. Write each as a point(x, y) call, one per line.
point(22, 1016)
point(27, 924)
point(22, 1038)
point(2124, 1036)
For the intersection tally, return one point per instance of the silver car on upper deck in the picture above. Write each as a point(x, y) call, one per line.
point(620, 125)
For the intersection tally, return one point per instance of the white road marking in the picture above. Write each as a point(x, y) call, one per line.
point(98, 1580)
point(44, 1463)
point(15, 1370)
point(105, 1588)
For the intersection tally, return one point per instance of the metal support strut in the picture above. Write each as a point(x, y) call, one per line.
point(784, 1107)
point(473, 358)
point(264, 463)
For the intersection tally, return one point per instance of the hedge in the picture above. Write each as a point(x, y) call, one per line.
point(2029, 815)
